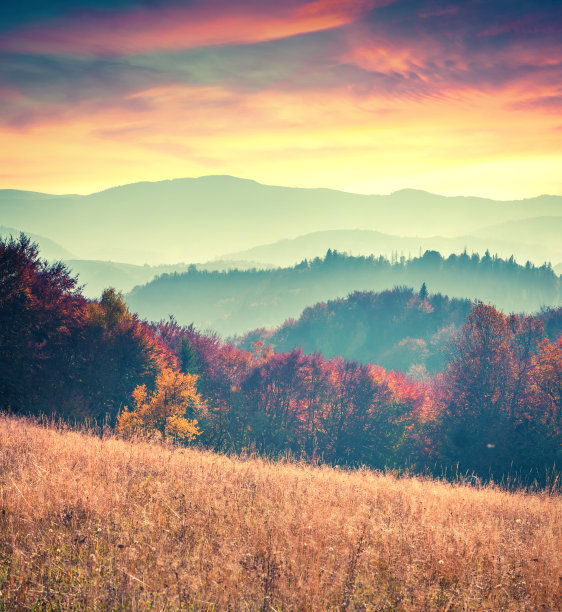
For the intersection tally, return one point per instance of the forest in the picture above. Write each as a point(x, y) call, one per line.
point(494, 410)
point(237, 301)
point(398, 328)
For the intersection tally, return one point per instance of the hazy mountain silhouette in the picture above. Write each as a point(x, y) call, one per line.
point(546, 231)
point(95, 276)
point(197, 219)
point(48, 248)
point(365, 242)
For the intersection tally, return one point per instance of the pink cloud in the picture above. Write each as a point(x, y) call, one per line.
point(144, 31)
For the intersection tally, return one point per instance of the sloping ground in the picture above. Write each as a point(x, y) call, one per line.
point(90, 523)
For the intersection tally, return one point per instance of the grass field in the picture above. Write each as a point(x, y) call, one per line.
point(90, 523)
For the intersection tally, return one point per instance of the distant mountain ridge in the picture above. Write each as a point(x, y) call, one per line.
point(49, 249)
point(197, 219)
point(288, 252)
point(95, 276)
point(525, 231)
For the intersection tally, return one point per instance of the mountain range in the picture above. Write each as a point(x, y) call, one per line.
point(94, 276)
point(198, 219)
point(504, 240)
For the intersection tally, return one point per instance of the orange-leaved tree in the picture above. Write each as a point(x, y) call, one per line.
point(546, 392)
point(168, 412)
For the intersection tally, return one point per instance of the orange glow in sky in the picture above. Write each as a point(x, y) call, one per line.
point(362, 96)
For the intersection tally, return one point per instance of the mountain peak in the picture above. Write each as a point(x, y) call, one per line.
point(415, 193)
point(225, 178)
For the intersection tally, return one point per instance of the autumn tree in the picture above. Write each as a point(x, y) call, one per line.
point(547, 382)
point(63, 354)
point(370, 415)
point(168, 412)
point(119, 353)
point(542, 417)
point(484, 392)
point(41, 314)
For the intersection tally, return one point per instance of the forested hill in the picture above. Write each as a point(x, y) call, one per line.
point(238, 301)
point(398, 329)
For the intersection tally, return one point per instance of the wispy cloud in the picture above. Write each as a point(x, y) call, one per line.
point(151, 75)
point(170, 25)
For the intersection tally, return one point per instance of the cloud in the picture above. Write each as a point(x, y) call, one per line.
point(544, 103)
point(217, 80)
point(402, 50)
point(66, 86)
point(456, 47)
point(132, 28)
point(416, 46)
point(43, 87)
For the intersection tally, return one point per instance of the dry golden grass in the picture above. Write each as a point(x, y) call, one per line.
point(106, 524)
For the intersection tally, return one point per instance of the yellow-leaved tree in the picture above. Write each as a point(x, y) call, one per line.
point(167, 412)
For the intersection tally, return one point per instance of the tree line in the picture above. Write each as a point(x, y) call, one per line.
point(235, 302)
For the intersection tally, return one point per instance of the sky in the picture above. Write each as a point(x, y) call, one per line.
point(371, 96)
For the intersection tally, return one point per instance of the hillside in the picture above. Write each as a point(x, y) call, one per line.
point(546, 231)
point(199, 219)
point(98, 523)
point(492, 411)
point(288, 252)
point(95, 276)
point(395, 329)
point(239, 301)
point(49, 249)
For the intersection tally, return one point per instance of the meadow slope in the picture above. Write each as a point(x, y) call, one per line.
point(91, 523)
